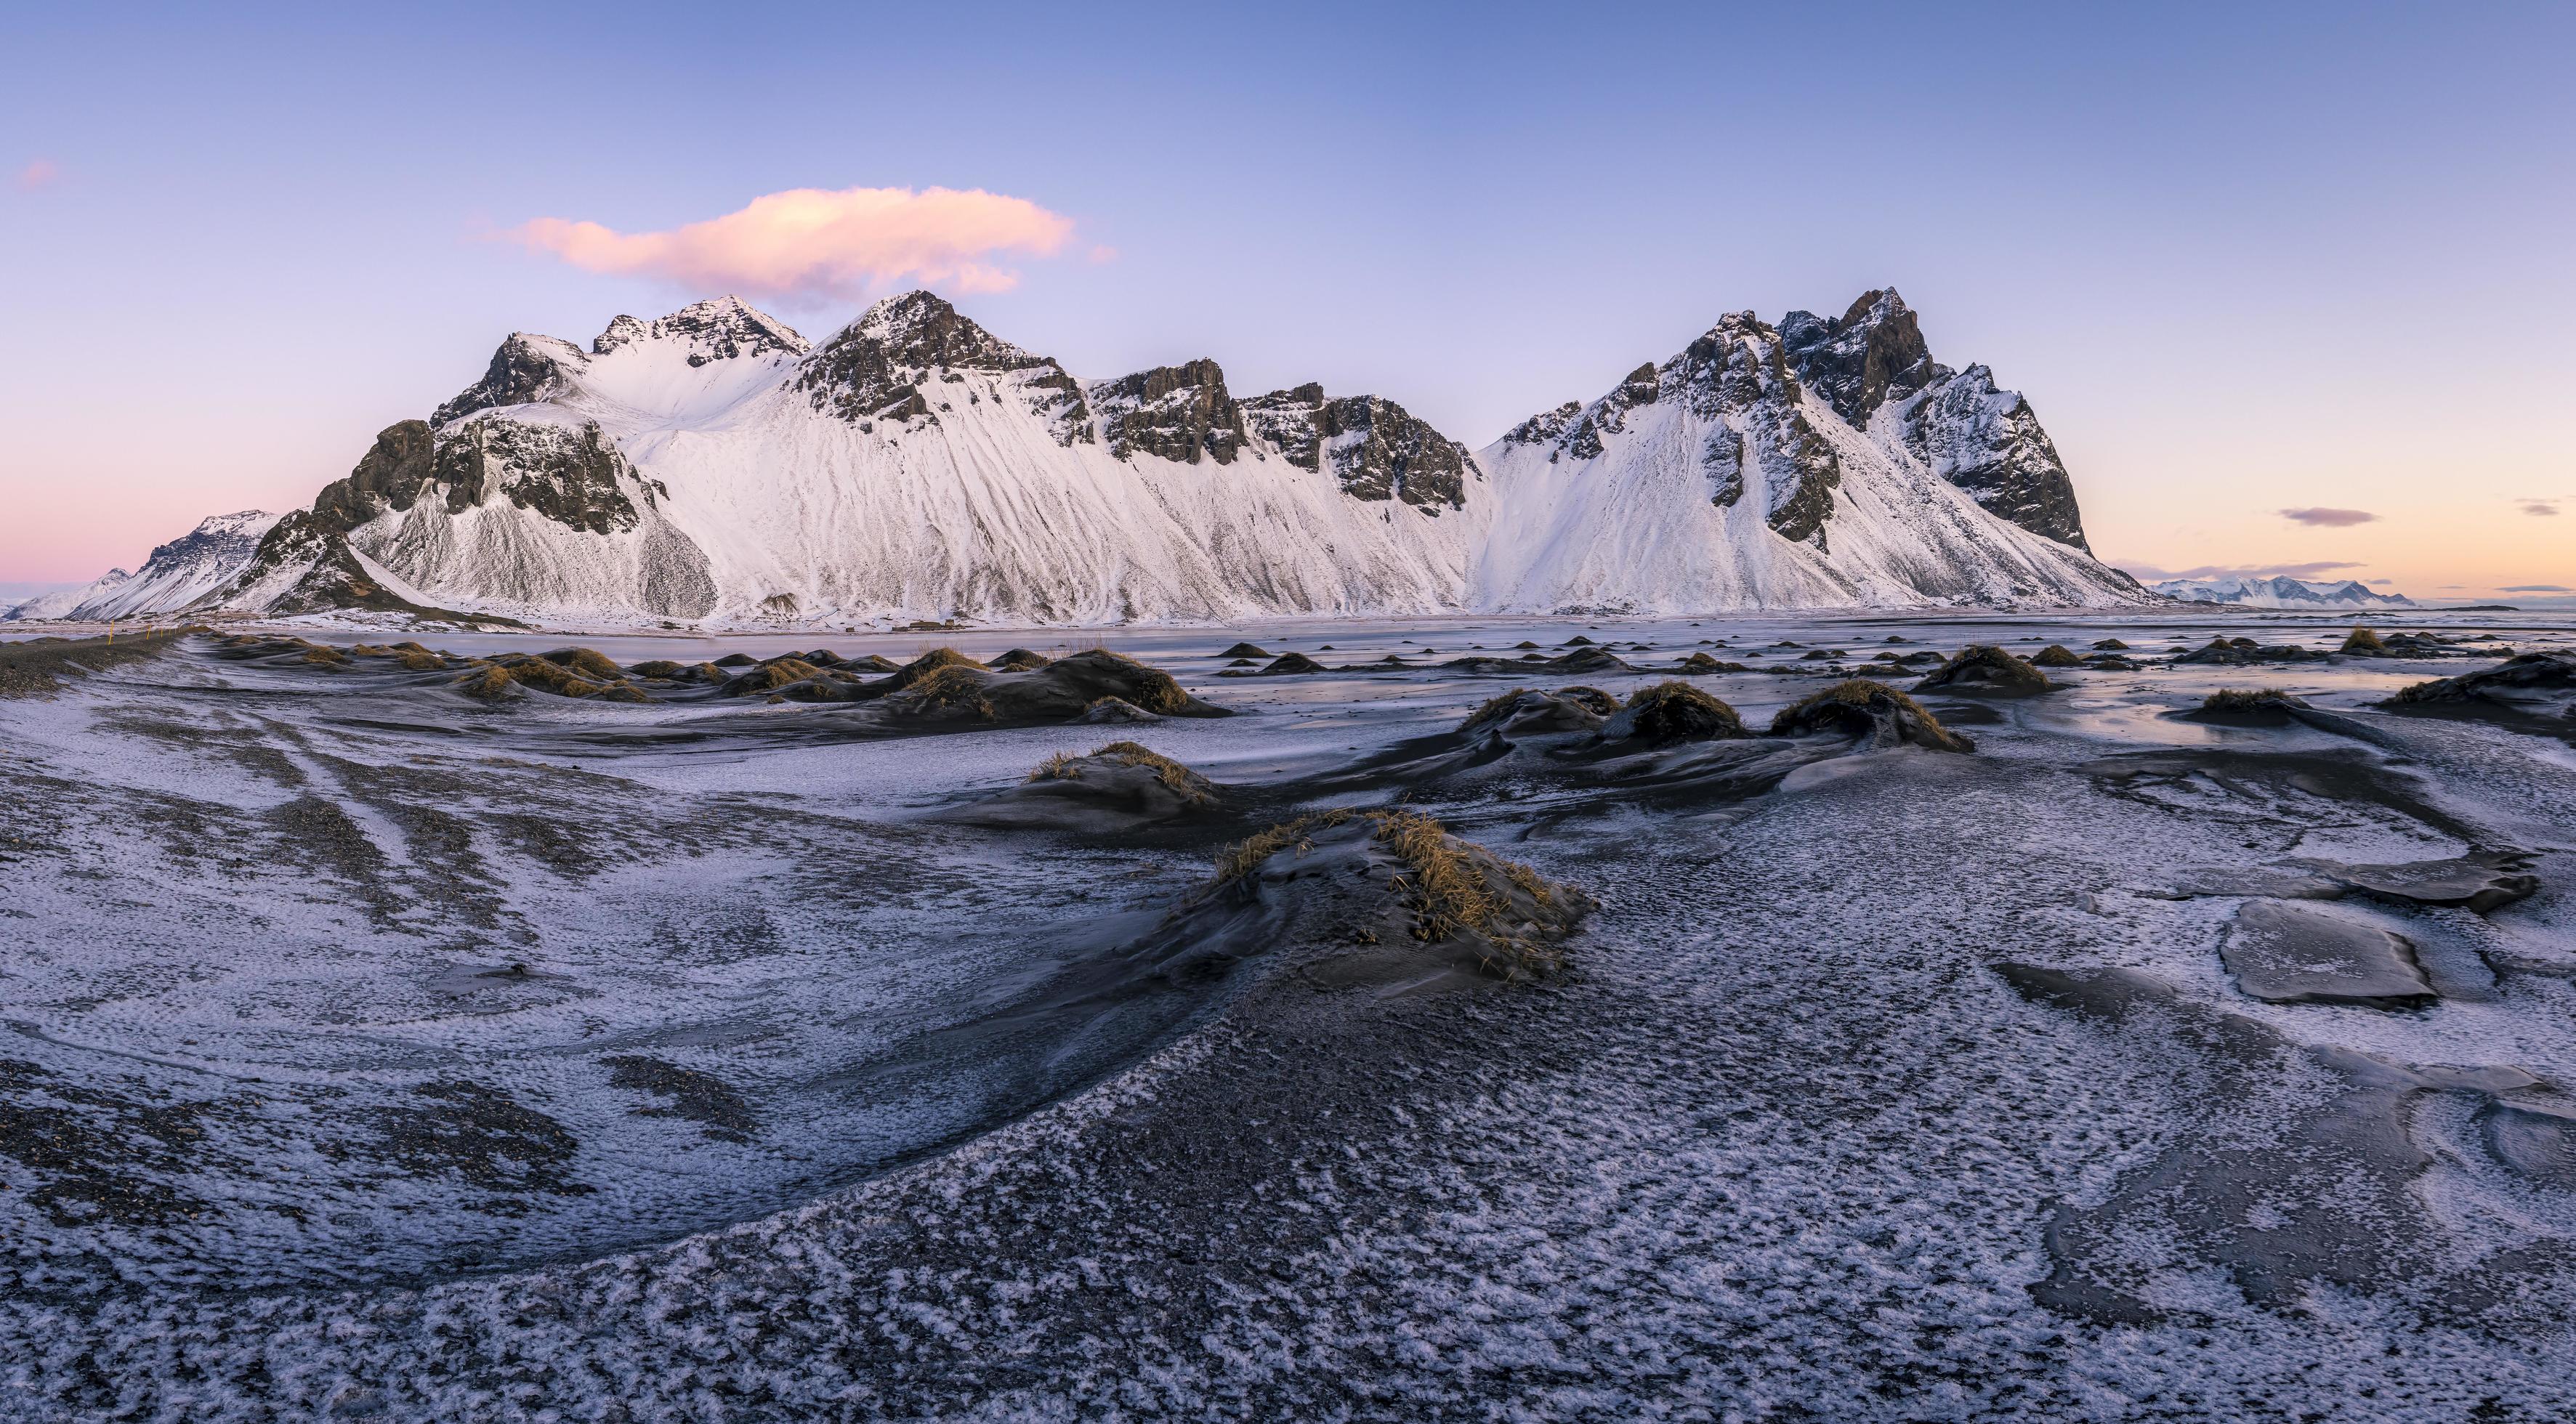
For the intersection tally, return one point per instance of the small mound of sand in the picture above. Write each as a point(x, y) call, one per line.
point(1873, 711)
point(1986, 668)
point(1399, 893)
point(1673, 712)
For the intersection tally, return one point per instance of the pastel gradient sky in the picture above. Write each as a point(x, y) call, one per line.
point(2243, 259)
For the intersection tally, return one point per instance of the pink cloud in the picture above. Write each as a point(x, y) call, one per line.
point(814, 244)
point(40, 173)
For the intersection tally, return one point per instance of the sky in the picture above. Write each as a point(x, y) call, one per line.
point(2288, 285)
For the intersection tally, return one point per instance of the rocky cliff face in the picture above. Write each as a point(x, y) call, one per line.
point(1813, 463)
point(1376, 448)
point(1180, 413)
point(900, 361)
point(1986, 441)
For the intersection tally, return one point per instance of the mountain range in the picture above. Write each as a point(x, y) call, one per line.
point(2281, 591)
point(714, 468)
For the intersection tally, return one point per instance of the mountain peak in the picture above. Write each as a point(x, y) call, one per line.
point(1873, 355)
point(717, 329)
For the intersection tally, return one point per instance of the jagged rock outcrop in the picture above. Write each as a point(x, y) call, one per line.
point(1984, 440)
point(1777, 434)
point(912, 356)
point(1181, 413)
point(1376, 448)
point(1874, 354)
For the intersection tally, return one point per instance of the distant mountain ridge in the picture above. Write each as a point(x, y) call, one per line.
point(2281, 591)
point(713, 466)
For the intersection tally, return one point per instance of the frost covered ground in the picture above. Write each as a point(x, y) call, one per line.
point(372, 1053)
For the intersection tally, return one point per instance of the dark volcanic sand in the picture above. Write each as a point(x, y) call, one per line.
point(374, 1052)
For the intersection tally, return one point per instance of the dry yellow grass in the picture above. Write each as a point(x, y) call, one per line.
point(935, 660)
point(956, 687)
point(2364, 642)
point(1446, 889)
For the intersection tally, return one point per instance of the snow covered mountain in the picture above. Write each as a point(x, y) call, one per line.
point(2281, 592)
point(185, 571)
point(714, 467)
point(1813, 464)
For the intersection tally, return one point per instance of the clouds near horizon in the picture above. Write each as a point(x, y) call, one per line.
point(2326, 518)
point(815, 245)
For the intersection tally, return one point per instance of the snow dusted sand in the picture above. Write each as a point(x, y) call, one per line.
point(374, 1053)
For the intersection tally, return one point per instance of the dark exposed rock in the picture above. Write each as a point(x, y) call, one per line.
point(1395, 456)
point(1547, 427)
point(576, 477)
point(1180, 413)
point(1989, 443)
point(526, 368)
point(1873, 354)
point(877, 367)
point(389, 476)
point(1245, 650)
point(721, 329)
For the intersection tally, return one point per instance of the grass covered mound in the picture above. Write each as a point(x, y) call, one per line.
point(39, 665)
point(1062, 691)
point(495, 678)
point(588, 662)
point(1245, 650)
point(1188, 784)
point(2055, 655)
point(2526, 678)
point(1021, 660)
point(2246, 707)
point(1116, 787)
point(1528, 711)
point(1873, 711)
point(2110, 645)
point(2237, 652)
point(2249, 699)
point(936, 660)
point(2364, 643)
point(1699, 664)
point(772, 676)
point(1985, 668)
point(1290, 665)
point(1673, 711)
point(1399, 881)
